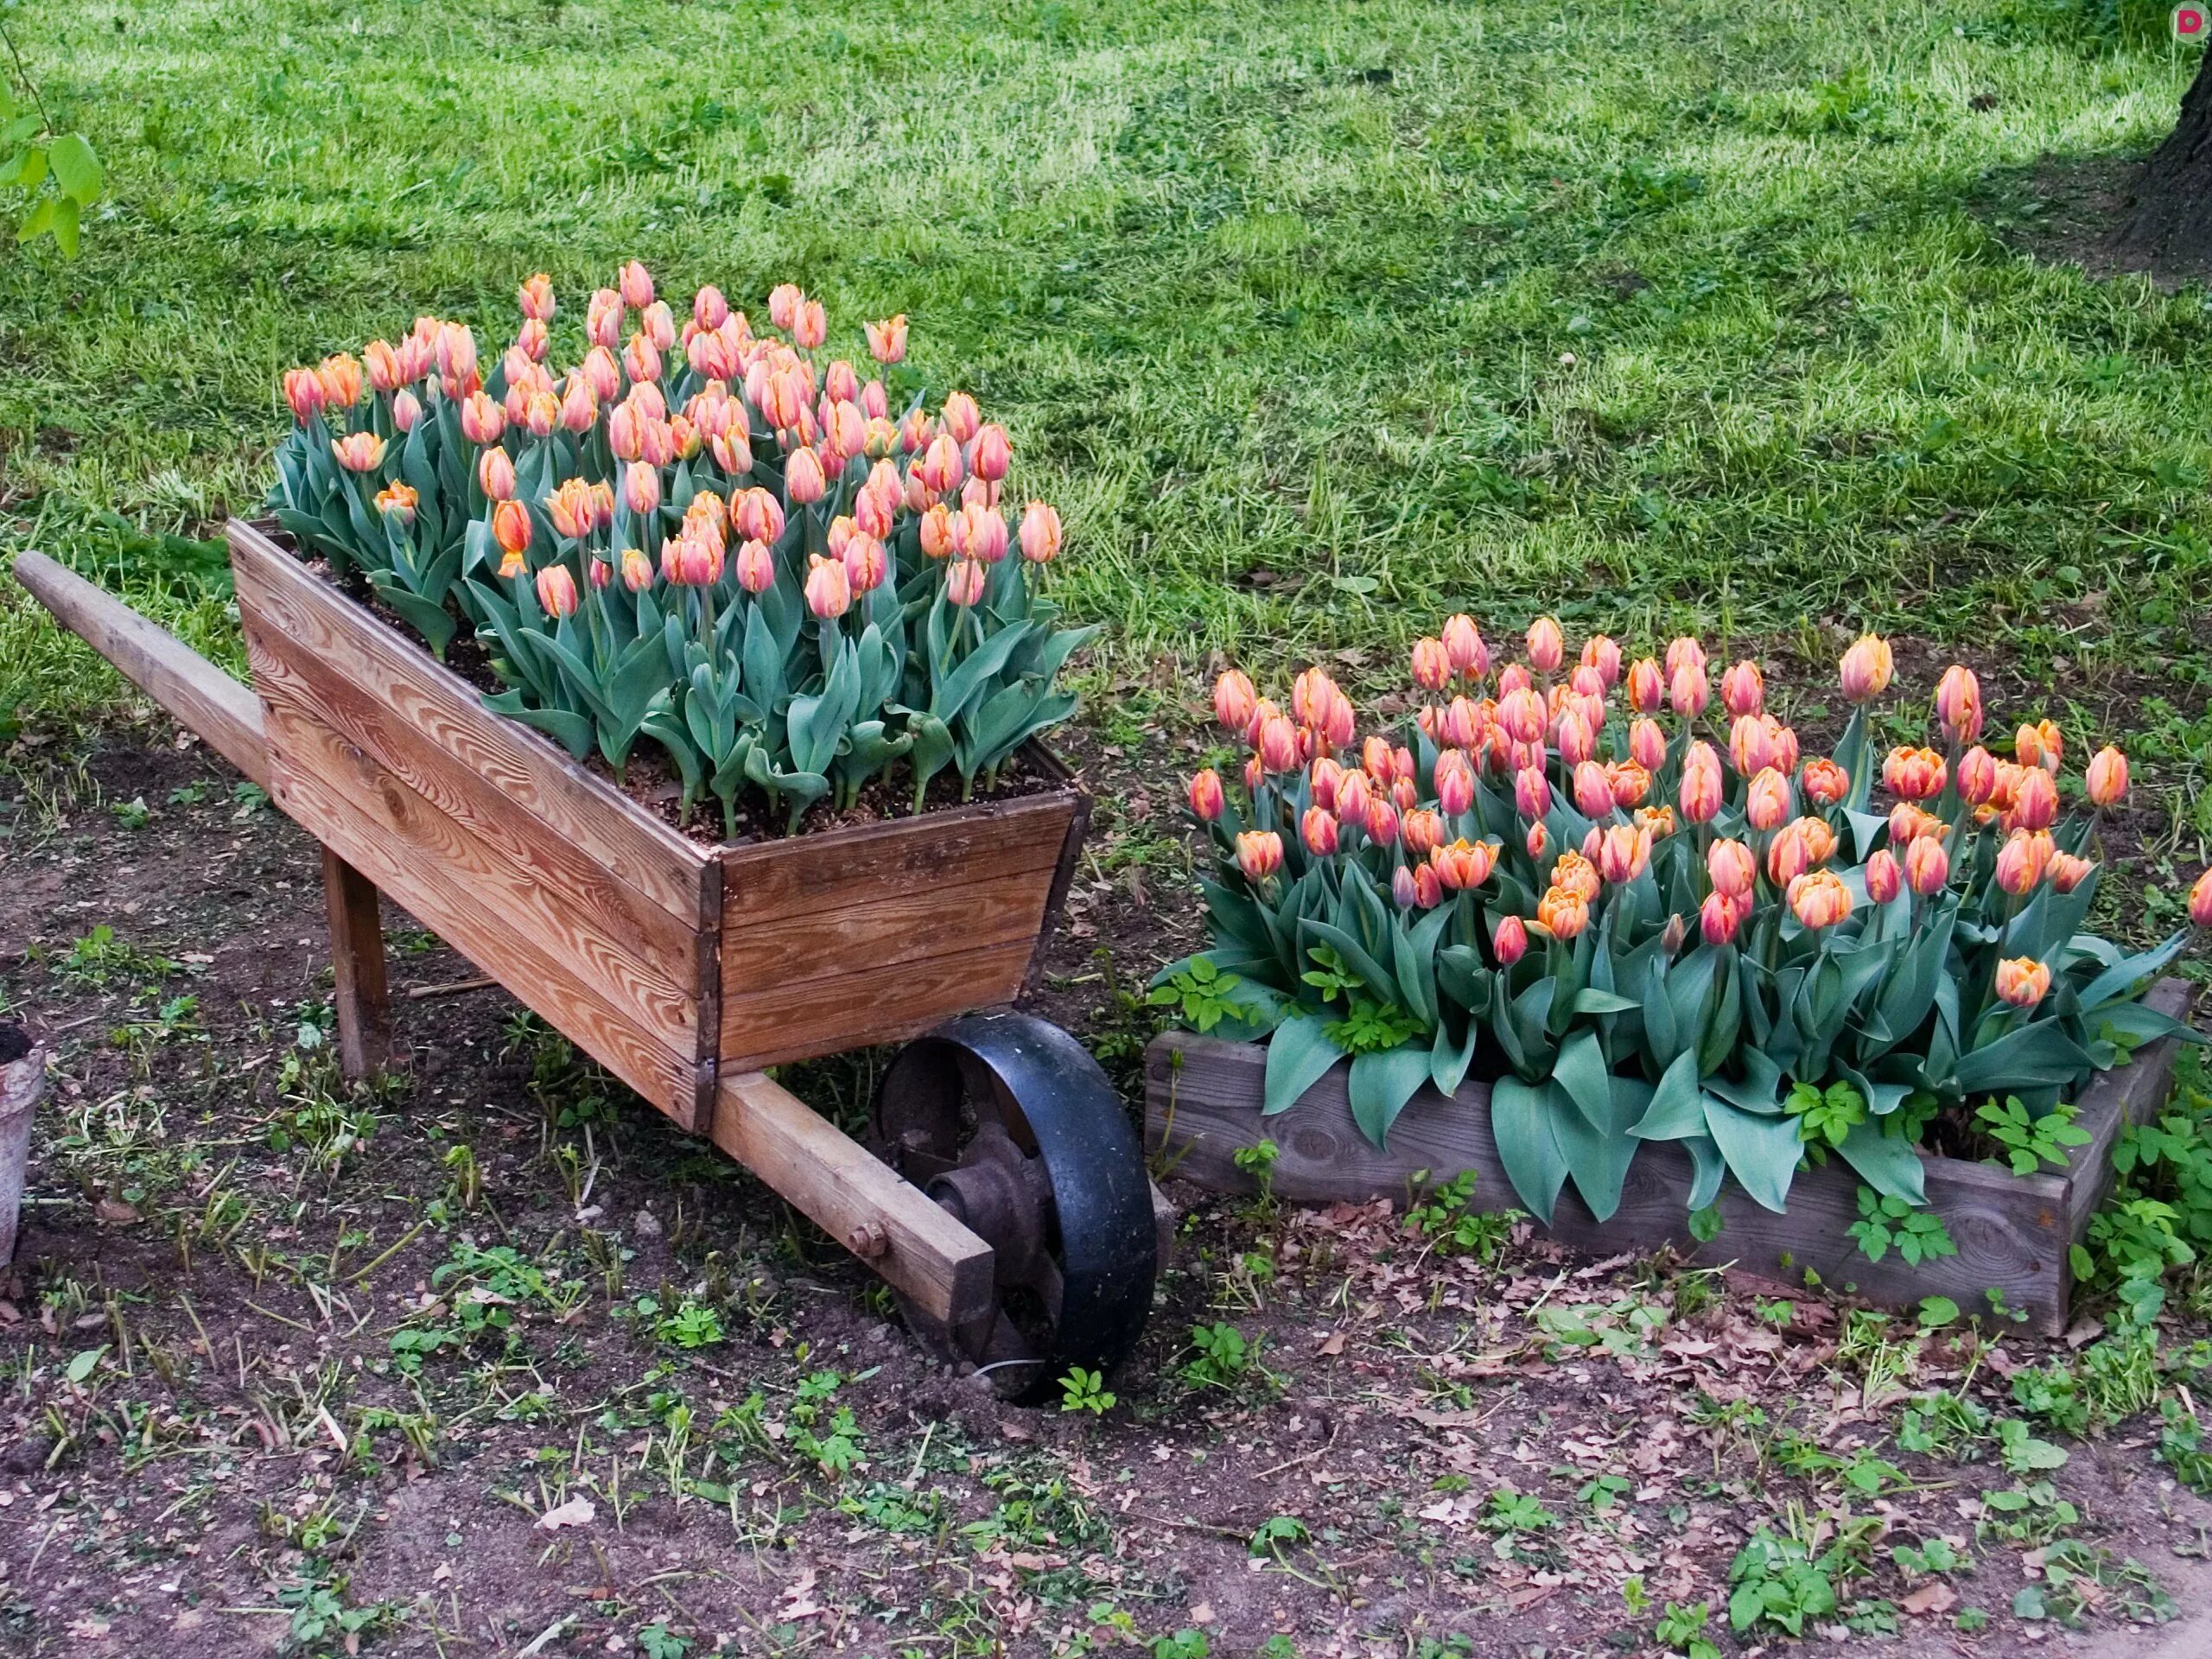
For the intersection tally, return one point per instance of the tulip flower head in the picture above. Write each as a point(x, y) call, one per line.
point(2022, 861)
point(1563, 913)
point(1432, 664)
point(1702, 786)
point(1914, 774)
point(1818, 898)
point(1041, 533)
point(2200, 900)
point(1234, 700)
point(1866, 669)
point(1464, 866)
point(1719, 916)
point(1647, 688)
point(1455, 782)
point(1824, 782)
point(829, 590)
point(1927, 866)
point(1317, 828)
point(1510, 941)
point(1259, 854)
point(886, 340)
point(1687, 691)
point(2069, 871)
point(1602, 654)
point(359, 452)
point(1766, 805)
point(1624, 852)
point(1958, 704)
point(2106, 779)
point(557, 590)
point(1977, 776)
point(398, 500)
point(1204, 794)
point(2035, 801)
point(1463, 644)
point(2023, 982)
point(1731, 868)
point(1547, 645)
point(1885, 877)
point(1743, 690)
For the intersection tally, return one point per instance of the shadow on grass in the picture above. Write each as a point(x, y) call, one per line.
point(2067, 209)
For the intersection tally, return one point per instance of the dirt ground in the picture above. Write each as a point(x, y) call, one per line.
point(494, 1363)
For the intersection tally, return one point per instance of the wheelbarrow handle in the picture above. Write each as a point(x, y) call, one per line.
point(198, 696)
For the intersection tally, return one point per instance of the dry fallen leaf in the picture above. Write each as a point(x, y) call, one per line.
point(576, 1512)
point(1934, 1597)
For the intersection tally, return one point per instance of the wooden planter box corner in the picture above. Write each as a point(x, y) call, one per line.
point(1202, 1106)
point(674, 963)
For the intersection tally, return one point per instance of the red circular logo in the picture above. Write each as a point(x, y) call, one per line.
point(2189, 23)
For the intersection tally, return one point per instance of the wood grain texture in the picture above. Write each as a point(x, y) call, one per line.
point(850, 1010)
point(520, 763)
point(830, 1178)
point(196, 694)
point(358, 996)
point(1203, 1105)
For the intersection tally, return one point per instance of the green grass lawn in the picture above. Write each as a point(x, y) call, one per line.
point(1315, 318)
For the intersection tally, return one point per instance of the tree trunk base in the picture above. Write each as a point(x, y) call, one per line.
point(2170, 213)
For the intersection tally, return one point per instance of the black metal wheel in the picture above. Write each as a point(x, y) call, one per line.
point(1005, 1120)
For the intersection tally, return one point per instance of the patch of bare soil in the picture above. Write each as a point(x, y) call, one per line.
point(496, 1361)
point(2067, 210)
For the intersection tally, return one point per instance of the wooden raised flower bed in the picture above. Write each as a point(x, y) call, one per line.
point(1203, 1098)
point(673, 963)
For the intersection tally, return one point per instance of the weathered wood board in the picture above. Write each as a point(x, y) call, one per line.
point(1202, 1106)
point(590, 911)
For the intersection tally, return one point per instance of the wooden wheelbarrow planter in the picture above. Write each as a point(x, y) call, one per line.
point(687, 970)
point(1203, 1099)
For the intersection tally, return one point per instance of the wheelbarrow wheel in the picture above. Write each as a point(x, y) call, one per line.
point(1006, 1121)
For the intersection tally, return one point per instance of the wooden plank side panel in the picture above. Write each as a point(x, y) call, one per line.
point(808, 875)
point(896, 931)
point(520, 763)
point(851, 1010)
point(625, 917)
point(1203, 1105)
point(484, 904)
point(946, 1269)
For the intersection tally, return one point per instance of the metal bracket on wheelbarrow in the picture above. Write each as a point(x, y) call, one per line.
point(1033, 1248)
point(1009, 1124)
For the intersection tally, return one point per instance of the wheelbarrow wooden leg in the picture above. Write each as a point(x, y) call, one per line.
point(358, 994)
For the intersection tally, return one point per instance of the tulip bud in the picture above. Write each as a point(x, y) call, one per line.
point(1884, 878)
point(2035, 803)
point(398, 500)
point(1546, 647)
point(1403, 893)
point(964, 581)
point(557, 590)
point(1532, 792)
point(1767, 804)
point(784, 302)
point(1646, 688)
point(756, 568)
point(810, 326)
point(1204, 793)
point(803, 483)
point(1604, 655)
point(1234, 701)
point(303, 391)
point(2069, 871)
point(1927, 866)
point(1421, 830)
point(2023, 982)
point(992, 454)
point(1538, 841)
point(829, 590)
point(1041, 533)
point(1521, 714)
point(1958, 704)
point(1428, 886)
point(1751, 744)
point(340, 374)
point(1382, 825)
point(1259, 854)
point(1647, 744)
point(1730, 865)
point(641, 358)
point(1317, 830)
point(1631, 783)
point(1687, 692)
point(1463, 645)
point(2107, 777)
point(1594, 791)
point(986, 532)
point(2200, 900)
point(569, 508)
point(637, 285)
point(1702, 786)
point(1866, 669)
point(1577, 742)
point(1743, 690)
point(637, 570)
point(1719, 916)
point(1431, 664)
point(1455, 782)
point(1788, 857)
point(709, 308)
point(865, 563)
point(658, 324)
point(1278, 744)
point(1624, 852)
point(510, 526)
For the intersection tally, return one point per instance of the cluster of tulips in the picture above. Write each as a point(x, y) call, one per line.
point(1624, 886)
point(717, 538)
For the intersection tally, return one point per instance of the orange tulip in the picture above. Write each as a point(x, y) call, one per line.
point(511, 526)
point(303, 391)
point(1234, 701)
point(1562, 913)
point(1866, 669)
point(557, 590)
point(1624, 852)
point(1382, 825)
point(1977, 776)
point(1278, 744)
point(1455, 782)
point(803, 483)
point(495, 475)
point(637, 570)
point(1432, 664)
point(1825, 783)
point(1041, 533)
point(1259, 854)
point(400, 499)
point(1958, 703)
point(1731, 868)
point(1577, 874)
point(1719, 916)
point(2068, 872)
point(2106, 779)
point(1547, 646)
point(1884, 880)
point(1421, 830)
point(2035, 802)
point(1646, 689)
point(1908, 822)
point(1647, 744)
point(2022, 861)
point(961, 418)
point(1927, 866)
point(570, 508)
point(2200, 900)
point(641, 488)
point(1787, 856)
point(340, 374)
point(1687, 691)
point(865, 563)
point(829, 590)
point(2023, 980)
point(1464, 866)
point(1702, 786)
point(359, 452)
point(1594, 791)
point(1532, 792)
point(1743, 690)
point(756, 568)
point(1767, 803)
point(1631, 783)
point(1602, 654)
point(886, 340)
point(1819, 898)
point(1914, 774)
point(1204, 794)
point(1462, 643)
